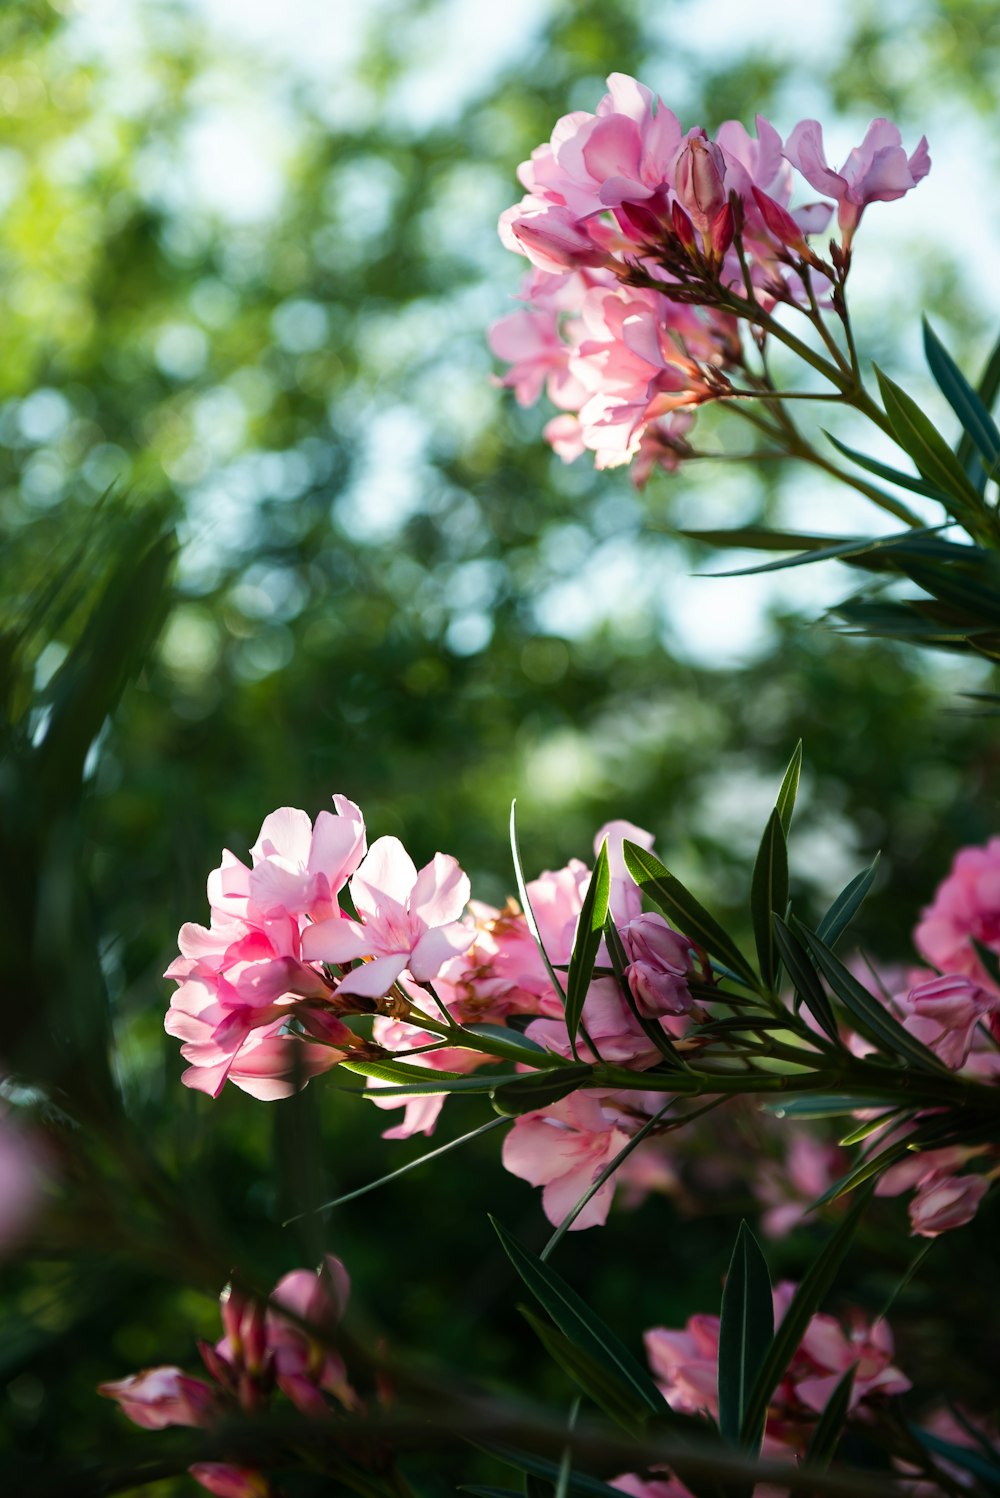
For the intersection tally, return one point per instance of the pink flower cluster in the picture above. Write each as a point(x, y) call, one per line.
point(261, 1350)
point(266, 991)
point(253, 1003)
point(636, 231)
point(685, 1365)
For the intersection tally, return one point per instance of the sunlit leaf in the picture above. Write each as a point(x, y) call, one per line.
point(589, 930)
point(680, 906)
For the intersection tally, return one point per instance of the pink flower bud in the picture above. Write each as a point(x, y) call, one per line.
point(683, 227)
point(722, 231)
point(779, 221)
point(944, 1202)
point(226, 1481)
point(659, 966)
point(163, 1396)
point(699, 181)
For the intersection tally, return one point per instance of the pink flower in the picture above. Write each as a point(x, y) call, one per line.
point(876, 171)
point(563, 1149)
point(227, 1481)
point(966, 905)
point(787, 1188)
point(945, 1013)
point(650, 1487)
point(699, 180)
point(408, 921)
point(660, 962)
point(305, 1365)
point(827, 1351)
point(530, 342)
point(943, 1202)
point(163, 1396)
point(611, 1025)
point(685, 1365)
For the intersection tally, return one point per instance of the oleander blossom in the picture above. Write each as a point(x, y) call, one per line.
point(261, 1350)
point(685, 1365)
point(634, 231)
point(965, 909)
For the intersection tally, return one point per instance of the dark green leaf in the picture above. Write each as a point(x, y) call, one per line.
point(589, 929)
point(869, 1014)
point(762, 538)
point(769, 895)
point(986, 389)
point(539, 1089)
point(581, 1325)
point(977, 423)
point(808, 988)
point(680, 906)
point(788, 790)
point(746, 1331)
point(847, 904)
point(822, 1106)
point(604, 1387)
point(928, 449)
point(872, 1165)
point(811, 1290)
point(883, 471)
point(540, 1466)
point(830, 1425)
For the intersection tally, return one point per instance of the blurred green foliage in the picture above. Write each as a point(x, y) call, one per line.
point(374, 545)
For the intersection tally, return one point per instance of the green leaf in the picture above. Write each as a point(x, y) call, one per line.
point(582, 1326)
point(872, 1165)
point(769, 895)
point(679, 905)
point(540, 1466)
point(789, 788)
point(526, 1093)
point(512, 1039)
point(589, 929)
point(821, 1106)
point(808, 988)
point(761, 538)
point(986, 389)
point(928, 449)
point(605, 1388)
point(746, 1331)
point(529, 914)
point(830, 1425)
point(883, 471)
point(847, 904)
point(870, 1016)
point(414, 1080)
point(977, 423)
point(402, 1170)
point(812, 1288)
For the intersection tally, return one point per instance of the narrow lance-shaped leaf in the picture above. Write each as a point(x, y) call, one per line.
point(847, 904)
point(830, 1426)
point(788, 1334)
point(808, 988)
point(589, 930)
point(870, 1016)
point(746, 1331)
point(789, 788)
point(580, 1324)
point(678, 904)
point(605, 1388)
point(884, 471)
point(539, 1089)
point(928, 449)
point(975, 418)
point(769, 895)
point(987, 390)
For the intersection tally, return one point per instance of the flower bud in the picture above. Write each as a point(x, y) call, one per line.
point(699, 182)
point(659, 965)
point(945, 1202)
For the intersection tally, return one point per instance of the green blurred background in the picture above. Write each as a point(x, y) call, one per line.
point(247, 259)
